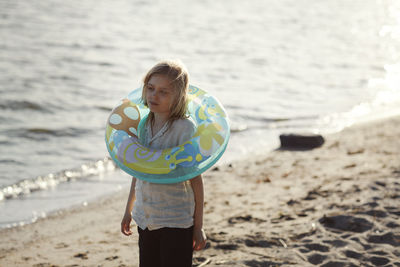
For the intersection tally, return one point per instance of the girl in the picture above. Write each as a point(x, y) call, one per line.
point(169, 216)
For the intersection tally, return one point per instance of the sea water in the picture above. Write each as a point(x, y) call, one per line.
point(278, 66)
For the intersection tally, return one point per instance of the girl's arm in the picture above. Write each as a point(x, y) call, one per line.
point(126, 220)
point(199, 237)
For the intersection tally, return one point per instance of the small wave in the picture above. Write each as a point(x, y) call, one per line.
point(277, 120)
point(102, 108)
point(23, 105)
point(10, 161)
point(249, 122)
point(5, 141)
point(62, 78)
point(40, 133)
point(59, 132)
point(79, 46)
point(51, 180)
point(86, 62)
point(238, 127)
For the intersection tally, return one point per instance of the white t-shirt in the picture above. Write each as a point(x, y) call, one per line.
point(165, 205)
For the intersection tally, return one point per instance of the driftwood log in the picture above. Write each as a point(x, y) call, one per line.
point(301, 141)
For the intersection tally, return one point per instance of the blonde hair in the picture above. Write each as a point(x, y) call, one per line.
point(179, 77)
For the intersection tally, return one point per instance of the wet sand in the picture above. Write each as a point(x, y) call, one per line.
point(338, 205)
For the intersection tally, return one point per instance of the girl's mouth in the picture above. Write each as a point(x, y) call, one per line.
point(153, 103)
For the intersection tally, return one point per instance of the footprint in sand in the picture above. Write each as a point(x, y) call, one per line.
point(392, 225)
point(316, 258)
point(355, 151)
point(227, 246)
point(316, 247)
point(216, 237)
point(337, 243)
point(44, 264)
point(313, 194)
point(111, 258)
point(379, 261)
point(374, 213)
point(371, 204)
point(388, 238)
point(352, 254)
point(350, 166)
point(346, 223)
point(61, 245)
point(282, 217)
point(393, 210)
point(338, 264)
point(256, 263)
point(247, 218)
point(82, 255)
point(379, 253)
point(261, 242)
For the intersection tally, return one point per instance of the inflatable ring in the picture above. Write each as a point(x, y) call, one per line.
point(175, 164)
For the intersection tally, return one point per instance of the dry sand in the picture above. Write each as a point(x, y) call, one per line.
point(338, 205)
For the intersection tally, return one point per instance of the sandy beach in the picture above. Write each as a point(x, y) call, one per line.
point(337, 205)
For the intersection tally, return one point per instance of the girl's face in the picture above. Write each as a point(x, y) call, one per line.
point(160, 95)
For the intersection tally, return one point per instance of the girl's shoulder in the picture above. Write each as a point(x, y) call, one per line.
point(183, 130)
point(186, 124)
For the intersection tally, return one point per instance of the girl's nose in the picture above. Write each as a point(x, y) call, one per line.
point(153, 93)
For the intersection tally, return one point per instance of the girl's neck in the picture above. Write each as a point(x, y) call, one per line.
point(158, 122)
point(160, 119)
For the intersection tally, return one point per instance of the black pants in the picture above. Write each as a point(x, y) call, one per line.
point(166, 247)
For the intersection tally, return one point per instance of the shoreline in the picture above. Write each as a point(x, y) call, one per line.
point(37, 203)
point(253, 214)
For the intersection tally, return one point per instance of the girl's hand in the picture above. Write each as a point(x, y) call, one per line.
point(126, 224)
point(199, 239)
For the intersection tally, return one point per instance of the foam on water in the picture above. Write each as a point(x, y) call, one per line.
point(51, 180)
